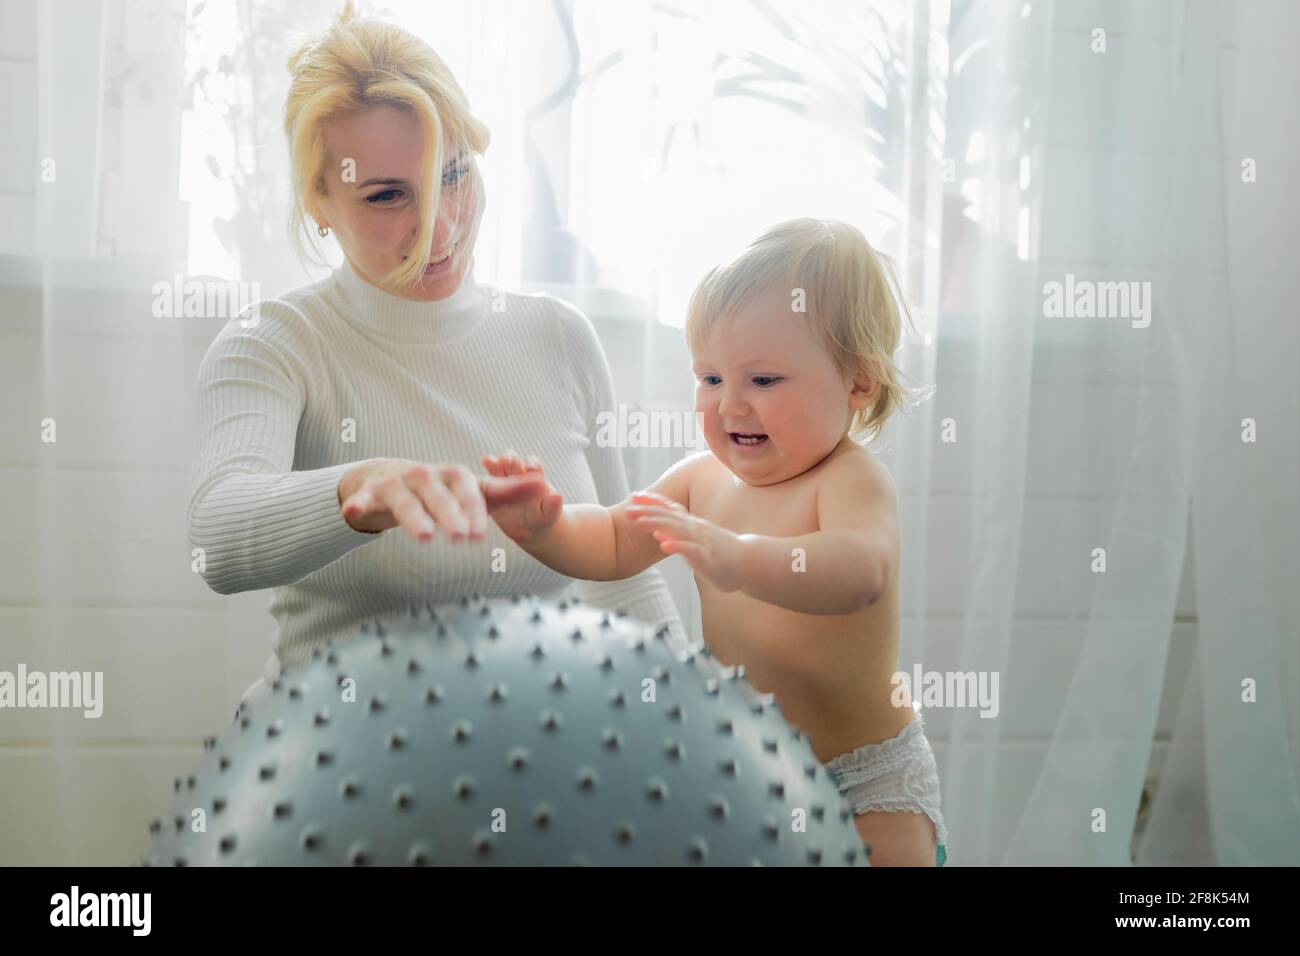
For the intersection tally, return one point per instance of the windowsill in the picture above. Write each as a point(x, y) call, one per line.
point(602, 302)
point(101, 274)
point(599, 303)
point(609, 304)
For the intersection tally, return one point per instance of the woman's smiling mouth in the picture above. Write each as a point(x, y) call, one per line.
point(438, 265)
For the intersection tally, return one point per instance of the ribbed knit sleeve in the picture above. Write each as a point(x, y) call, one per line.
point(644, 596)
point(259, 523)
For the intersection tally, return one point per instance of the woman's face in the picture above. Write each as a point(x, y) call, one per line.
point(370, 203)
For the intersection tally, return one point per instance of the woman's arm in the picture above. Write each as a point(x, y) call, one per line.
point(255, 522)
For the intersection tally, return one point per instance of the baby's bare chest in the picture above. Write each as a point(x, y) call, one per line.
point(780, 511)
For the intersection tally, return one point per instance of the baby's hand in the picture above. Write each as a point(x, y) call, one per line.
point(524, 520)
point(715, 553)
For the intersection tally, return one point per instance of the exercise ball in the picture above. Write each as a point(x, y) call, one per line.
point(516, 732)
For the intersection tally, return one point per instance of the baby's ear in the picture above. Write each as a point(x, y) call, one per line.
point(866, 385)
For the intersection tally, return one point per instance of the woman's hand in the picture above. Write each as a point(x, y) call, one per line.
point(419, 497)
point(715, 553)
point(525, 519)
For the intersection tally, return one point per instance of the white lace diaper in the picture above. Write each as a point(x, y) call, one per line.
point(898, 774)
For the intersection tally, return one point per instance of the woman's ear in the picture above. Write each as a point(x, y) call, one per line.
point(316, 211)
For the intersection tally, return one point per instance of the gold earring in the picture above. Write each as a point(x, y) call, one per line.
point(322, 231)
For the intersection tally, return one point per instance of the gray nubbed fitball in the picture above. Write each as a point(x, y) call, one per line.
point(508, 732)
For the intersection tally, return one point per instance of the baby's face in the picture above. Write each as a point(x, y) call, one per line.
point(765, 373)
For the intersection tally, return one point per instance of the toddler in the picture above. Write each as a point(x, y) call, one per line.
point(788, 521)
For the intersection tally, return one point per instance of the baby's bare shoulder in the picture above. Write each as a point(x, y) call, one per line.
point(856, 471)
point(680, 480)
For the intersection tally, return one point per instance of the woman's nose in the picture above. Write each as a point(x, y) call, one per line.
point(446, 228)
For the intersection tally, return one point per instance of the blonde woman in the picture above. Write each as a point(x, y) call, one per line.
point(340, 427)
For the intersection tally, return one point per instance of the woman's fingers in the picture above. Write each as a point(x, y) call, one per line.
point(357, 505)
point(422, 498)
point(403, 505)
point(438, 501)
point(464, 488)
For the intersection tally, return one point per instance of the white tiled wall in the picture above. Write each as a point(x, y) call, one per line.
point(113, 572)
point(18, 144)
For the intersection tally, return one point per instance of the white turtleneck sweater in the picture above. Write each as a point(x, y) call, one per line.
point(340, 372)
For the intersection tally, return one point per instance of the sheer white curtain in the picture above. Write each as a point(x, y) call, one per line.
point(991, 148)
point(1101, 433)
point(1230, 793)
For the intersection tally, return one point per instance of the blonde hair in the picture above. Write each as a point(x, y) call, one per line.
point(354, 66)
point(846, 294)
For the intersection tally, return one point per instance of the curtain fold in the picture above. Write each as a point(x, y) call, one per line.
point(1248, 629)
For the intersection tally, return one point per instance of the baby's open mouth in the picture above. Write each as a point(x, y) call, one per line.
point(741, 438)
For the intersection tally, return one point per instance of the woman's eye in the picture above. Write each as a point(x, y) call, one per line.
point(379, 197)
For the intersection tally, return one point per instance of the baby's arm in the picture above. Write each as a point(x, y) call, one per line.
point(841, 568)
point(594, 543)
point(848, 563)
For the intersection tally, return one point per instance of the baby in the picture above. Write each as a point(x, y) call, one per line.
point(788, 521)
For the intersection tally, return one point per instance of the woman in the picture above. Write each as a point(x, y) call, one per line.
point(334, 426)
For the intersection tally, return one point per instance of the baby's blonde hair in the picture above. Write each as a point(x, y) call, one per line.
point(846, 295)
point(354, 66)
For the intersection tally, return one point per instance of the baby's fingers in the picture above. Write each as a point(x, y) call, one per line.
point(653, 499)
point(695, 553)
point(505, 465)
point(661, 522)
point(654, 511)
point(514, 465)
